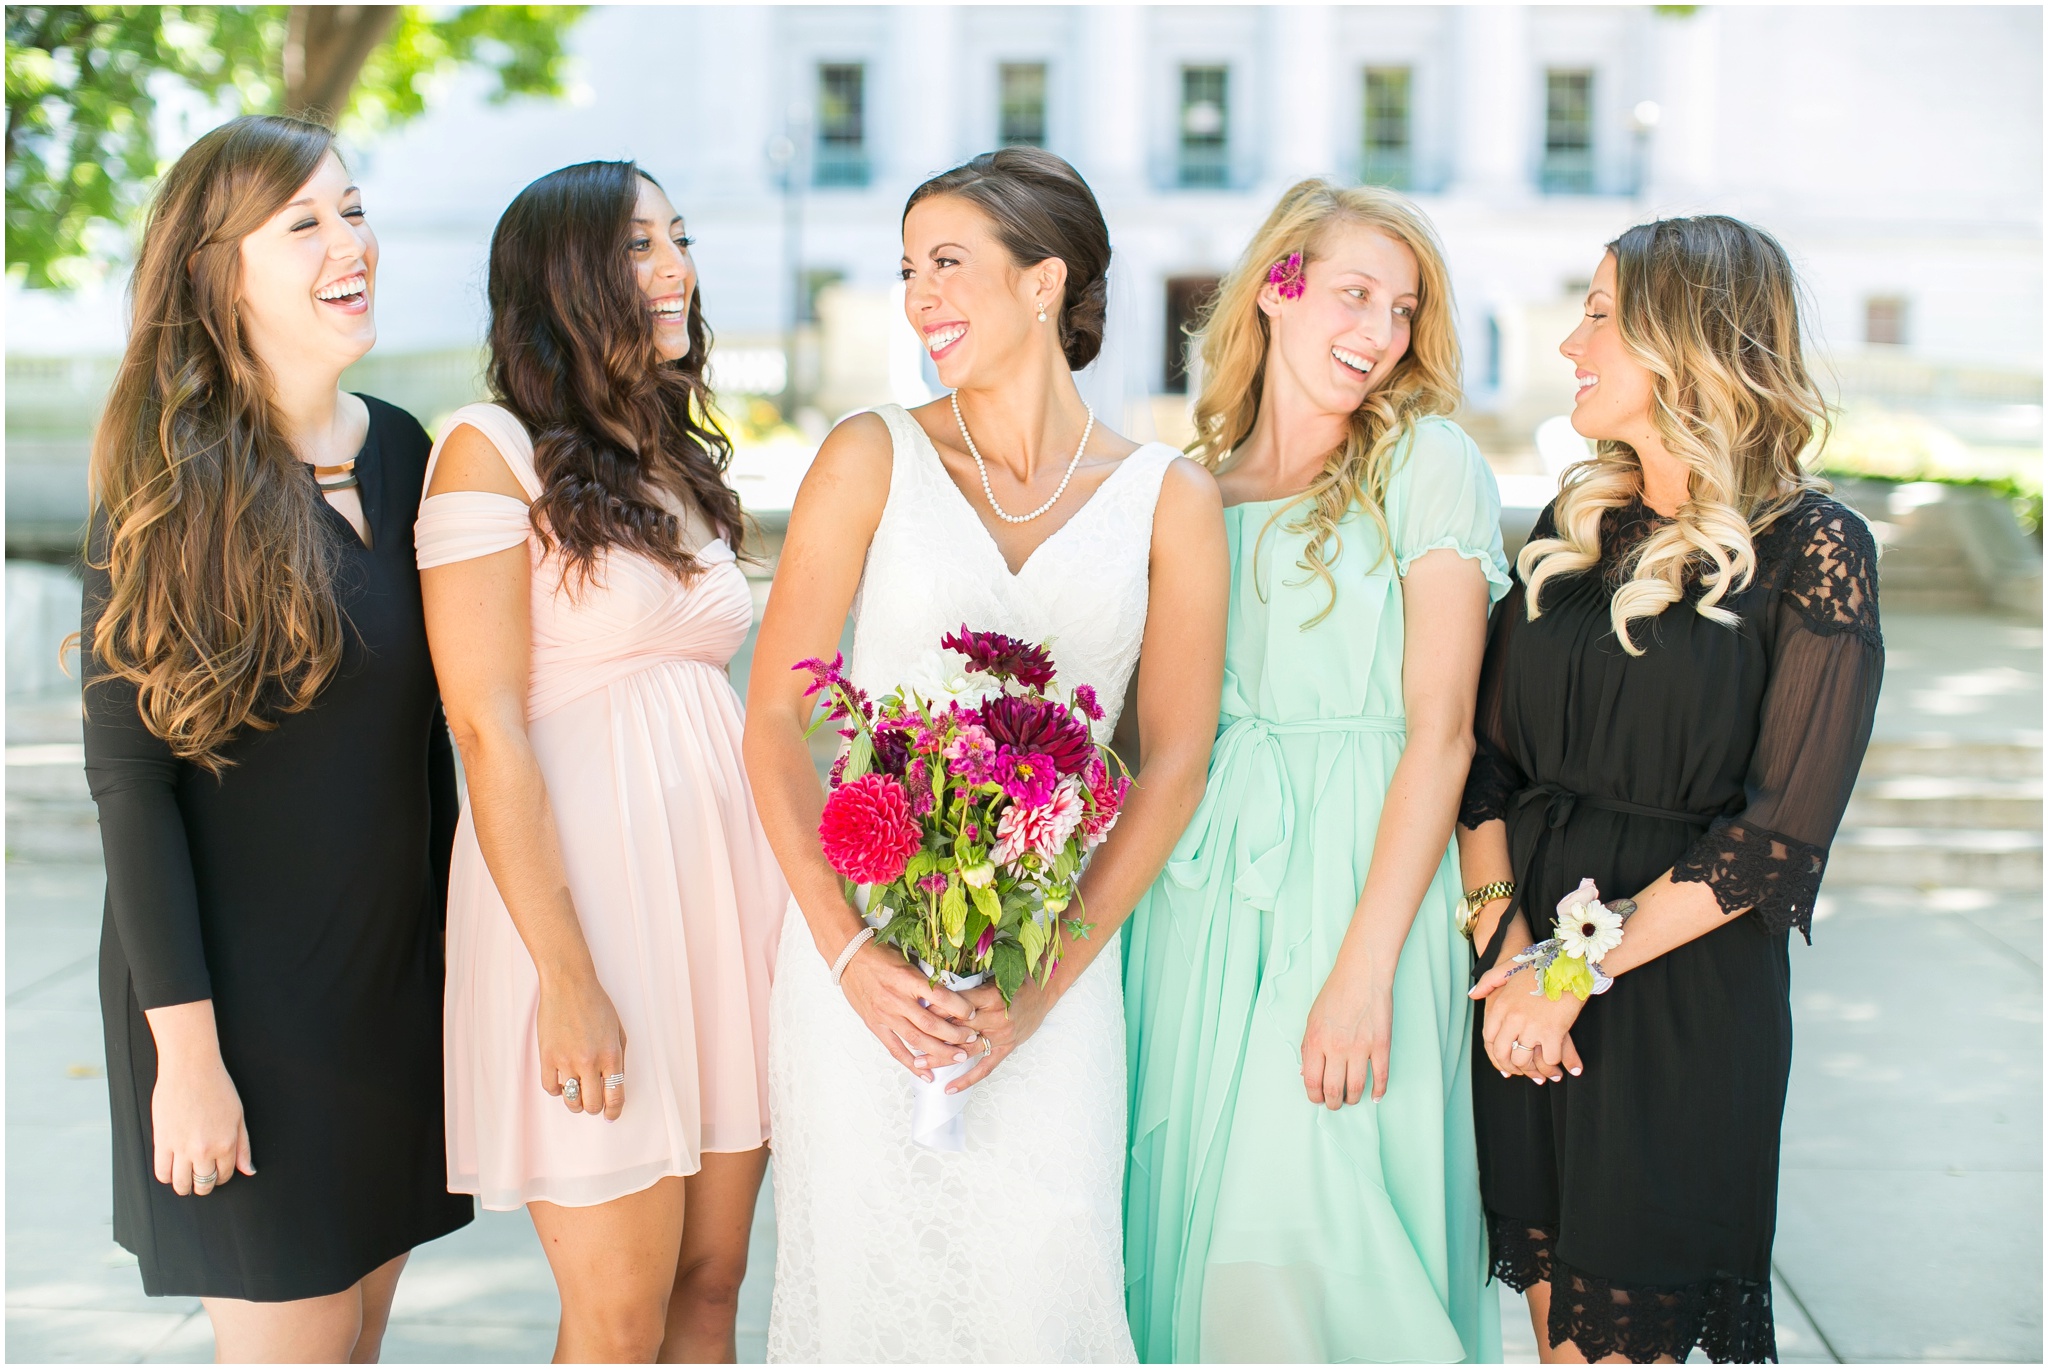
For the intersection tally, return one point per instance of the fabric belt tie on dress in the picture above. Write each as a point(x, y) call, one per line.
point(1528, 837)
point(1264, 794)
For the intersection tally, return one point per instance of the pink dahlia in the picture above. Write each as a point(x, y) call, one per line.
point(1108, 799)
point(1042, 829)
point(972, 754)
point(1034, 725)
point(1028, 777)
point(867, 831)
point(1006, 658)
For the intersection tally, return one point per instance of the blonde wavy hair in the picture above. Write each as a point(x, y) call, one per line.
point(1235, 336)
point(1710, 306)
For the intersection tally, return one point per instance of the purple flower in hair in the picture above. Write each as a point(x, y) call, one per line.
point(1288, 276)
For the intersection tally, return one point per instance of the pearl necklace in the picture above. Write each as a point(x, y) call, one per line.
point(982, 466)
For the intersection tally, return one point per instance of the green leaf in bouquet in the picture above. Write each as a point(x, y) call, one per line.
point(953, 912)
point(988, 905)
point(1031, 935)
point(1063, 868)
point(921, 864)
point(1009, 969)
point(860, 755)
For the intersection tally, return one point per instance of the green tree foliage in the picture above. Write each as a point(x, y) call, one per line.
point(84, 82)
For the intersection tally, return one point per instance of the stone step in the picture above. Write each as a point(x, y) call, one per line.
point(50, 812)
point(1953, 759)
point(1946, 801)
point(1923, 857)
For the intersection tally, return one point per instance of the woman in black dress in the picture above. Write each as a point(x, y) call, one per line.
point(275, 786)
point(1675, 700)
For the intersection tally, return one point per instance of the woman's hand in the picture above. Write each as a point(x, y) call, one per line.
point(915, 1020)
point(195, 1112)
point(1527, 1033)
point(1002, 1027)
point(581, 1039)
point(1350, 1032)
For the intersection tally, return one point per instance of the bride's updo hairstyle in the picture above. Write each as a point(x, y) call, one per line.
point(573, 357)
point(1040, 208)
point(1710, 306)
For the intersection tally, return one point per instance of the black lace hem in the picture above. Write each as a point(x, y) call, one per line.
point(1521, 1251)
point(1490, 786)
point(1730, 1319)
point(1775, 876)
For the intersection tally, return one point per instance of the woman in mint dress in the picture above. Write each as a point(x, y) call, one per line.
point(1303, 1185)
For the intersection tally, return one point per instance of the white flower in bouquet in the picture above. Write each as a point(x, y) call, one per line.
point(941, 677)
point(1586, 927)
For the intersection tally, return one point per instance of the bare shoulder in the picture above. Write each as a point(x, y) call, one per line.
point(470, 461)
point(848, 481)
point(1189, 495)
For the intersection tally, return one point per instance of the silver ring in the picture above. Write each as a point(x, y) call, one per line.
point(614, 1081)
point(572, 1088)
point(988, 1048)
point(211, 1177)
point(1518, 1046)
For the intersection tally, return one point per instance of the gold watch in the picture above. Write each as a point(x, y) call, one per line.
point(1476, 899)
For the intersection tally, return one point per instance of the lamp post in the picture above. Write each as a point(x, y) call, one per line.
point(785, 154)
point(1642, 122)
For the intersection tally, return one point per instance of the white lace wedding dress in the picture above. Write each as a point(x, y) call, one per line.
point(1013, 1249)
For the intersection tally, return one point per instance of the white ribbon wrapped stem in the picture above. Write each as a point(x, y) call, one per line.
point(938, 1119)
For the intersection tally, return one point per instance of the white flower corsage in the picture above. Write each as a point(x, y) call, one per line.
point(1587, 930)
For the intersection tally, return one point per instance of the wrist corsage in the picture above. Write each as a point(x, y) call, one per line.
point(1587, 930)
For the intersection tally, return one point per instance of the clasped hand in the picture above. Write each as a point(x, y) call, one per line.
point(1527, 1033)
point(925, 1026)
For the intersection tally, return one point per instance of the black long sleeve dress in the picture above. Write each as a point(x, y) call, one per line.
point(1645, 1190)
point(304, 893)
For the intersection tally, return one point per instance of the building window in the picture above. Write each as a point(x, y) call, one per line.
point(1884, 321)
point(1021, 117)
point(1568, 132)
point(1205, 126)
point(1186, 299)
point(842, 124)
point(1389, 138)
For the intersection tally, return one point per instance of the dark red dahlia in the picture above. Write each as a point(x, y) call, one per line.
point(1027, 725)
point(1006, 658)
point(892, 749)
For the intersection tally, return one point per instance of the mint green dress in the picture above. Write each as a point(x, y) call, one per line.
point(1259, 1225)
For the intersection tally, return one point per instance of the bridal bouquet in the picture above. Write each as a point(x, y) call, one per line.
point(964, 805)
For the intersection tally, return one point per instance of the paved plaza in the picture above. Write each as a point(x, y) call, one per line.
point(1910, 1216)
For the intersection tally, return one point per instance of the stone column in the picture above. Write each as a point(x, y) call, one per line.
point(1298, 90)
point(1496, 102)
point(1686, 60)
point(736, 91)
point(1112, 127)
point(913, 132)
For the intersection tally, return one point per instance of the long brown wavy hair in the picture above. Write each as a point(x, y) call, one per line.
point(222, 609)
point(573, 356)
point(1235, 335)
point(1710, 305)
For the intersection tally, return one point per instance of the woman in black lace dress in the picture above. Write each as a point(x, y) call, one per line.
point(1676, 697)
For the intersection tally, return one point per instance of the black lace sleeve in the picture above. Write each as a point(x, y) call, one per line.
point(1827, 664)
point(1495, 778)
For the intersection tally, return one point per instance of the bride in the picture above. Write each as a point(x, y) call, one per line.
point(1009, 508)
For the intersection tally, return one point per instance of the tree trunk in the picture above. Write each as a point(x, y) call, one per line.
point(325, 47)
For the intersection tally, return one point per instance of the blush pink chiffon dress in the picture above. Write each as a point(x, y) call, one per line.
point(636, 729)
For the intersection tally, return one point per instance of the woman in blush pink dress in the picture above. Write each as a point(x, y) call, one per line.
point(613, 904)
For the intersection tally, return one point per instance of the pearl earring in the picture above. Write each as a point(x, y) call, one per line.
point(1041, 315)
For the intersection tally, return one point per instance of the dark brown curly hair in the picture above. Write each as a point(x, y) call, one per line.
point(221, 610)
point(573, 357)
